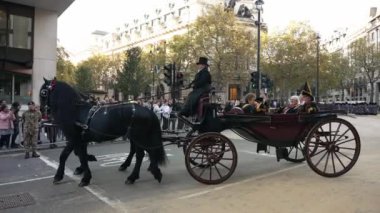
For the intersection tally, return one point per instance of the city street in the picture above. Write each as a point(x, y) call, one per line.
point(259, 184)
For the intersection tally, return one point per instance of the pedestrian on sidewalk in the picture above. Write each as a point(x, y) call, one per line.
point(31, 119)
point(6, 125)
point(16, 127)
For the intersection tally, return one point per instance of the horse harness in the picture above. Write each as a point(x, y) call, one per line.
point(91, 114)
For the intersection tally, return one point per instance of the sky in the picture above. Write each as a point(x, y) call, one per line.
point(83, 17)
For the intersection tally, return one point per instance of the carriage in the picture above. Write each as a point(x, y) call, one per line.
point(330, 145)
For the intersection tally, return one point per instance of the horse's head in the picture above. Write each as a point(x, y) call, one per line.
point(45, 92)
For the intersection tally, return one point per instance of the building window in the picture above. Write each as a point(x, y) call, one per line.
point(372, 36)
point(20, 32)
point(3, 28)
point(234, 92)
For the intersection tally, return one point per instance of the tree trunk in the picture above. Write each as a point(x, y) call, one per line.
point(372, 92)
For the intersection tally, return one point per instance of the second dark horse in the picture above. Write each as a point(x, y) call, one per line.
point(71, 113)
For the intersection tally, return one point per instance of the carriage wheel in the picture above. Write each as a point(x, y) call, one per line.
point(214, 150)
point(333, 147)
point(193, 134)
point(296, 153)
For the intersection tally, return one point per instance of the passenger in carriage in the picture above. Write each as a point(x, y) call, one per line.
point(307, 101)
point(294, 104)
point(253, 105)
point(201, 85)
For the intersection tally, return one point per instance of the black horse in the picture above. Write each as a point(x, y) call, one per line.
point(80, 125)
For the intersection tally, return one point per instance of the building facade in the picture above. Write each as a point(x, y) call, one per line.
point(28, 43)
point(157, 26)
point(359, 91)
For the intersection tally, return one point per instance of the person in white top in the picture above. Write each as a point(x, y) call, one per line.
point(165, 110)
point(157, 110)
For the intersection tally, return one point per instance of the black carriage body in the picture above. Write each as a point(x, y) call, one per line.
point(278, 130)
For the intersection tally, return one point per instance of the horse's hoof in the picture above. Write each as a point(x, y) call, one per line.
point(129, 182)
point(123, 168)
point(57, 180)
point(91, 158)
point(83, 183)
point(158, 177)
point(78, 171)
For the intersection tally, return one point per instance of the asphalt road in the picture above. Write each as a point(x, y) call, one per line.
point(259, 184)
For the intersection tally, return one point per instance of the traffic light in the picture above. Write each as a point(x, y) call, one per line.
point(264, 81)
point(179, 79)
point(168, 73)
point(254, 78)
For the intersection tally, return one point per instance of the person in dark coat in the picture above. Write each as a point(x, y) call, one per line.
point(201, 84)
point(294, 104)
point(307, 101)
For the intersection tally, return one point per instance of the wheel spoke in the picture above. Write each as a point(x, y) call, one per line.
point(329, 134)
point(333, 163)
point(342, 134)
point(226, 159)
point(319, 152)
point(321, 158)
point(196, 157)
point(340, 161)
point(291, 148)
point(347, 148)
point(319, 138)
point(203, 170)
point(345, 155)
point(336, 133)
point(344, 142)
point(210, 172)
point(224, 166)
point(217, 170)
point(327, 160)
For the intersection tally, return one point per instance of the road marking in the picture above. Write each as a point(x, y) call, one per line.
point(240, 182)
point(25, 181)
point(93, 189)
point(262, 154)
point(115, 159)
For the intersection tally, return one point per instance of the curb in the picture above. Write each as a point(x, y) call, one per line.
point(43, 146)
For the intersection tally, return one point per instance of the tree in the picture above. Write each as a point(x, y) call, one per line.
point(220, 37)
point(65, 69)
point(179, 51)
point(101, 68)
point(366, 60)
point(132, 78)
point(340, 73)
point(289, 57)
point(84, 77)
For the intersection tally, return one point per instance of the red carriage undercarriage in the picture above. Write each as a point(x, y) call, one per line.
point(330, 145)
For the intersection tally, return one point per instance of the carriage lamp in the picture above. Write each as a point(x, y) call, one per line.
point(259, 4)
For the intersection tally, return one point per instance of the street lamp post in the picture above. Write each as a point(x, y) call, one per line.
point(259, 7)
point(317, 90)
point(377, 40)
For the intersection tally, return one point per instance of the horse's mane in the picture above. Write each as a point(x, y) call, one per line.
point(64, 100)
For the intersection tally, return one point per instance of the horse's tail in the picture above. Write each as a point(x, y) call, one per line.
point(158, 152)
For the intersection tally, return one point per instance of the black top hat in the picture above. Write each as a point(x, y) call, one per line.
point(306, 91)
point(203, 60)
